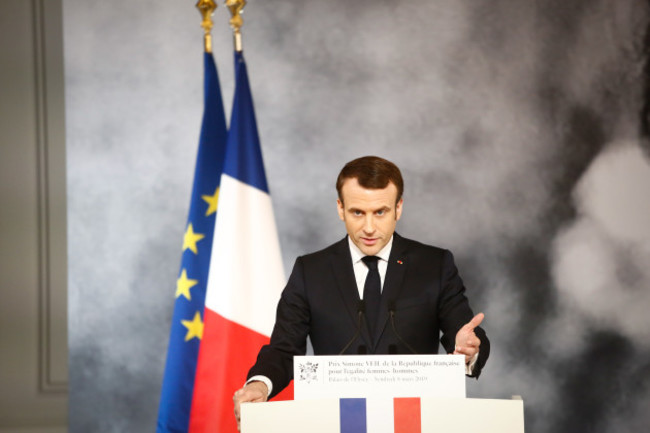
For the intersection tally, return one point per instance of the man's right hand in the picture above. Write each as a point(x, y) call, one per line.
point(253, 392)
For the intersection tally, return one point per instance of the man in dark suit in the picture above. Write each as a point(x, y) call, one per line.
point(373, 292)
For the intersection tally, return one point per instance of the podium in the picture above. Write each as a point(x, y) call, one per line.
point(465, 415)
point(366, 405)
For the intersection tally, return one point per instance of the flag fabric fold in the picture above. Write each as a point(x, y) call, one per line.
point(188, 317)
point(246, 272)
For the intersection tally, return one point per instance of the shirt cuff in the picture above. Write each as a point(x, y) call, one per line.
point(263, 379)
point(469, 368)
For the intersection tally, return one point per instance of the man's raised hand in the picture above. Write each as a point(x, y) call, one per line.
point(467, 343)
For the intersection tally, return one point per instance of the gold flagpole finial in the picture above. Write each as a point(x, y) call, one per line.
point(236, 8)
point(207, 8)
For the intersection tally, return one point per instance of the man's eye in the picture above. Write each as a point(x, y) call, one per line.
point(381, 212)
point(357, 213)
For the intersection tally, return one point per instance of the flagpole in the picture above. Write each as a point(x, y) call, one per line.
point(207, 8)
point(236, 8)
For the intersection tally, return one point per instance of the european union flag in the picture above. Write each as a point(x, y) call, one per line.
point(187, 322)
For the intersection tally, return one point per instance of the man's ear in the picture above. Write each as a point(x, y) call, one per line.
point(398, 209)
point(341, 209)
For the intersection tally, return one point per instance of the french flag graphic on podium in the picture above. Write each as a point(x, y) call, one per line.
point(398, 415)
point(246, 272)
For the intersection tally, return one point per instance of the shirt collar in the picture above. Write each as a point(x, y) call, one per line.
point(357, 255)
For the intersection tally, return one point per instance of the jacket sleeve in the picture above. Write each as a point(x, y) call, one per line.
point(454, 312)
point(289, 336)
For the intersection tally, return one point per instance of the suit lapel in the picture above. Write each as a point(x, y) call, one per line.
point(397, 264)
point(341, 263)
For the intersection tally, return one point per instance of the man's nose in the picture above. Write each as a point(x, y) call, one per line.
point(369, 224)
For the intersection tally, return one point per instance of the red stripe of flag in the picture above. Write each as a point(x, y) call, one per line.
point(227, 351)
point(408, 415)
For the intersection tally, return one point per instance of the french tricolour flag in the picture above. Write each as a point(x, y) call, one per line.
point(246, 273)
point(398, 415)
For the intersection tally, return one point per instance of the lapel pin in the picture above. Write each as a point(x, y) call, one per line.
point(400, 262)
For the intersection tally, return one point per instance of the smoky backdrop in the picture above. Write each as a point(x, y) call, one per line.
point(518, 128)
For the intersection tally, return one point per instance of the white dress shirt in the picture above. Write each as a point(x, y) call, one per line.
point(361, 269)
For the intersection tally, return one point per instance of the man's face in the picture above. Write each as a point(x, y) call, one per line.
point(370, 215)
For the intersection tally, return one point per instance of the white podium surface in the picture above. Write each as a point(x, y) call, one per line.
point(461, 415)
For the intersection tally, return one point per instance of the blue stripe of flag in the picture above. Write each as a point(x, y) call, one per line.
point(353, 415)
point(244, 154)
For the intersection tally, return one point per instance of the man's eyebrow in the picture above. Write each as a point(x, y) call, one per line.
point(384, 208)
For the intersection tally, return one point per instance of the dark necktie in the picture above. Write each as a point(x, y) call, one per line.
point(372, 292)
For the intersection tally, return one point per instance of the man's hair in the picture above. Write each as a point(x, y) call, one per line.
point(371, 172)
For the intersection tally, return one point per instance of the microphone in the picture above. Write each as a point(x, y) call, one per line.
point(361, 310)
point(391, 313)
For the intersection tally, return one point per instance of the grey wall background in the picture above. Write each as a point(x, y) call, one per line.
point(516, 126)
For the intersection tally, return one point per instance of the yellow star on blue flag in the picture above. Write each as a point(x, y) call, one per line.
point(194, 327)
point(184, 284)
point(190, 239)
point(212, 201)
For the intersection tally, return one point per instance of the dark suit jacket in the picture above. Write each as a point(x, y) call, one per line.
point(321, 301)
